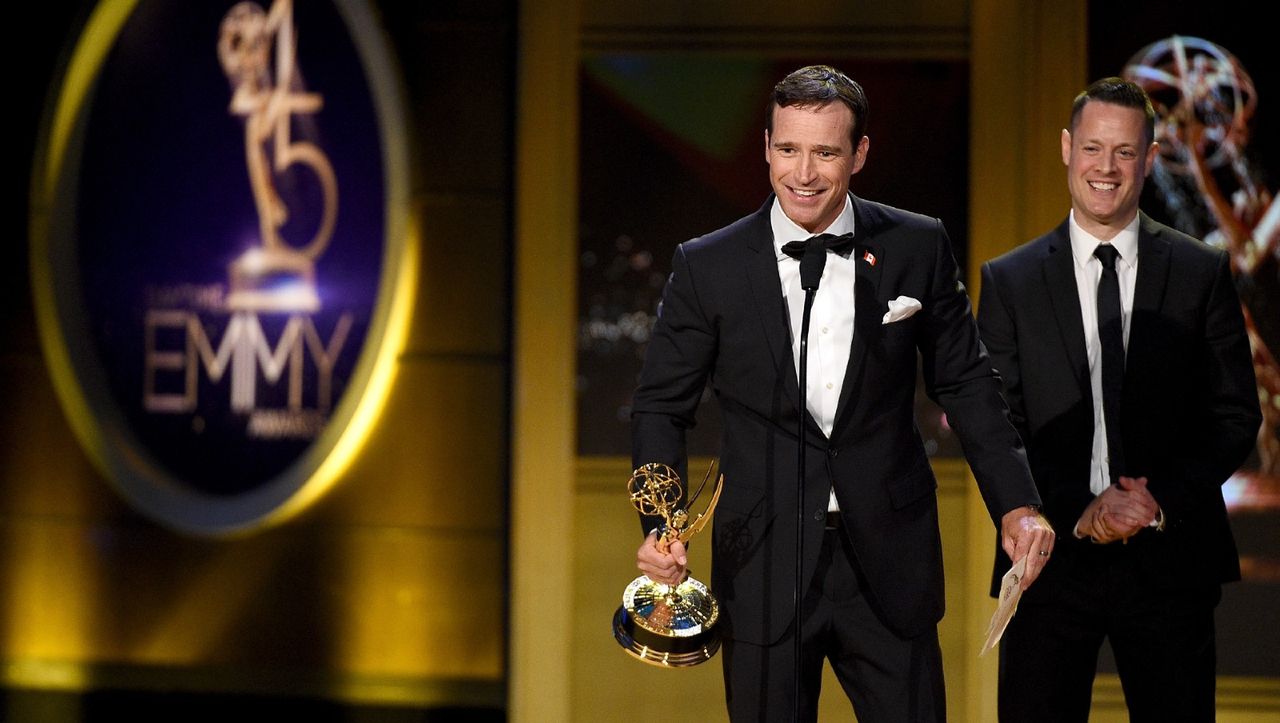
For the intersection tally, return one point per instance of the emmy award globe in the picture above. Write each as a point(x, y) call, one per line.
point(668, 625)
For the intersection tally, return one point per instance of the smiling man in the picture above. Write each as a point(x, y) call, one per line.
point(811, 155)
point(889, 294)
point(1123, 351)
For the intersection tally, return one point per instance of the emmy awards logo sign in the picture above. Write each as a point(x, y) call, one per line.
point(276, 278)
point(222, 325)
point(666, 625)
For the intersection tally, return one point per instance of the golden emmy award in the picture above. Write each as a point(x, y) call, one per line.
point(665, 625)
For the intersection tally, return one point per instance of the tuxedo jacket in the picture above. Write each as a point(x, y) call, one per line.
point(1189, 415)
point(723, 321)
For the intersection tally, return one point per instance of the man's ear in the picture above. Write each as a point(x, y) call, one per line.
point(860, 154)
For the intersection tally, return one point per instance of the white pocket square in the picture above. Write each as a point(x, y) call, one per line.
point(901, 308)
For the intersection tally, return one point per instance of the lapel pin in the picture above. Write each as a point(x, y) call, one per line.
point(869, 257)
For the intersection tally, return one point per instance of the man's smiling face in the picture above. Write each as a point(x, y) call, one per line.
point(811, 157)
point(1108, 156)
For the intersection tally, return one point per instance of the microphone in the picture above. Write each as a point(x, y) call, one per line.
point(811, 265)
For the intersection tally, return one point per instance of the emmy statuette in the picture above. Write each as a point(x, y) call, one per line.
point(664, 625)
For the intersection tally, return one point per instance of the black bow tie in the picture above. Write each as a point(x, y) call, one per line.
point(841, 244)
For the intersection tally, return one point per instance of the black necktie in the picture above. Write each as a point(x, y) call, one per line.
point(841, 244)
point(1111, 334)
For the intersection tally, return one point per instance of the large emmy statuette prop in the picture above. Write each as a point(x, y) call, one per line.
point(664, 625)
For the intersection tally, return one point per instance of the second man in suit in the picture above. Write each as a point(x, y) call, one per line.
point(1123, 350)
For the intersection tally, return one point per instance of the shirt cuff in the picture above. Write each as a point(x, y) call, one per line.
point(1158, 522)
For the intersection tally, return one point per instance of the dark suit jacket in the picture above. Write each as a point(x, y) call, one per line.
point(723, 318)
point(1190, 408)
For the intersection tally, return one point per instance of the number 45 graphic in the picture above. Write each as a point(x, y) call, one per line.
point(278, 276)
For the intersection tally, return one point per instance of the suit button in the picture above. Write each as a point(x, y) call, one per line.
point(833, 452)
point(820, 515)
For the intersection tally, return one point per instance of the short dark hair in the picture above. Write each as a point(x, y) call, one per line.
point(1121, 92)
point(820, 86)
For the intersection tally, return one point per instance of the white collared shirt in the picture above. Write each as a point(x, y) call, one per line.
point(1088, 270)
point(830, 319)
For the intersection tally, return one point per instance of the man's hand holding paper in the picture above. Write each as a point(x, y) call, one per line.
point(1025, 533)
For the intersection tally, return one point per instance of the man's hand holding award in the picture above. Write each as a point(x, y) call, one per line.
point(661, 624)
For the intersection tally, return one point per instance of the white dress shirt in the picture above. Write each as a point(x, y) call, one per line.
point(1088, 271)
point(830, 319)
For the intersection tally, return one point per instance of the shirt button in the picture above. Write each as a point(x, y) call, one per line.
point(828, 385)
point(824, 330)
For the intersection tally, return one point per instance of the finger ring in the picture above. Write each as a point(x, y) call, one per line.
point(1044, 553)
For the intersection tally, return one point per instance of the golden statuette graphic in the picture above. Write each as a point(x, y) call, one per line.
point(252, 42)
point(664, 625)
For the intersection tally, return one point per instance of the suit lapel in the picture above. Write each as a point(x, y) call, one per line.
point(1060, 278)
point(771, 307)
point(869, 254)
point(1148, 293)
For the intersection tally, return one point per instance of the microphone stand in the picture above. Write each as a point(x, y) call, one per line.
point(811, 266)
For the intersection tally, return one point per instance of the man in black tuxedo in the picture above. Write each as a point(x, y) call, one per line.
point(731, 312)
point(1128, 373)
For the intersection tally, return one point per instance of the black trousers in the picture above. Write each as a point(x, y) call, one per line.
point(887, 678)
point(1163, 642)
